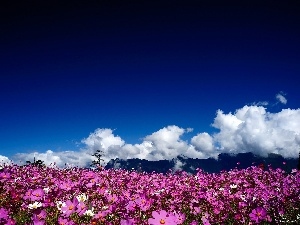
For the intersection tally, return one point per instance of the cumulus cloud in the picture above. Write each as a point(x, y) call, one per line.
point(4, 160)
point(162, 144)
point(178, 165)
point(281, 98)
point(60, 159)
point(253, 129)
point(248, 129)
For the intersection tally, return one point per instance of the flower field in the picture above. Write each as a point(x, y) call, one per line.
point(49, 195)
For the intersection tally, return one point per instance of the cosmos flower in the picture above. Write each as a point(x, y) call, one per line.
point(81, 208)
point(258, 214)
point(35, 205)
point(37, 194)
point(60, 204)
point(127, 222)
point(89, 212)
point(70, 207)
point(82, 197)
point(3, 213)
point(162, 217)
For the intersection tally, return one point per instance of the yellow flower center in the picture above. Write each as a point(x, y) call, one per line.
point(162, 221)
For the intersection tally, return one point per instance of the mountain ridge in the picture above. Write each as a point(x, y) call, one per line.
point(225, 162)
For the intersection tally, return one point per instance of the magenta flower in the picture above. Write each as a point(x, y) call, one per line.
point(3, 214)
point(131, 205)
point(258, 214)
point(101, 214)
point(127, 222)
point(162, 217)
point(81, 208)
point(37, 194)
point(4, 176)
point(39, 217)
point(39, 222)
point(112, 198)
point(27, 194)
point(205, 219)
point(179, 218)
point(70, 207)
point(11, 222)
point(143, 203)
point(62, 221)
point(65, 185)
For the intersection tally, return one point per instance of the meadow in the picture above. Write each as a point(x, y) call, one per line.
point(50, 195)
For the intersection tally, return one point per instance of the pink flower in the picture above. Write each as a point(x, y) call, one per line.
point(127, 222)
point(205, 219)
point(258, 214)
point(70, 207)
point(37, 194)
point(62, 221)
point(11, 222)
point(101, 214)
point(39, 217)
point(4, 176)
point(162, 217)
point(81, 208)
point(194, 223)
point(179, 218)
point(143, 203)
point(3, 213)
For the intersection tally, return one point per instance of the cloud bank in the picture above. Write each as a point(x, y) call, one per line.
point(248, 129)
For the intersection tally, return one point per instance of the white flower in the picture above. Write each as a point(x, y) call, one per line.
point(243, 197)
point(232, 186)
point(159, 191)
point(60, 204)
point(82, 197)
point(221, 189)
point(89, 212)
point(46, 190)
point(35, 205)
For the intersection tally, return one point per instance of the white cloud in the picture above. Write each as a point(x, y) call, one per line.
point(264, 103)
point(280, 97)
point(102, 139)
point(4, 160)
point(72, 158)
point(253, 129)
point(250, 128)
point(178, 165)
point(189, 129)
point(203, 142)
point(162, 144)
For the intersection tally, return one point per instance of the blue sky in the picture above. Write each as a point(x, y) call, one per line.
point(77, 75)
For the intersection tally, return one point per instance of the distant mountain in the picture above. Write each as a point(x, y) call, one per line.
point(224, 162)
